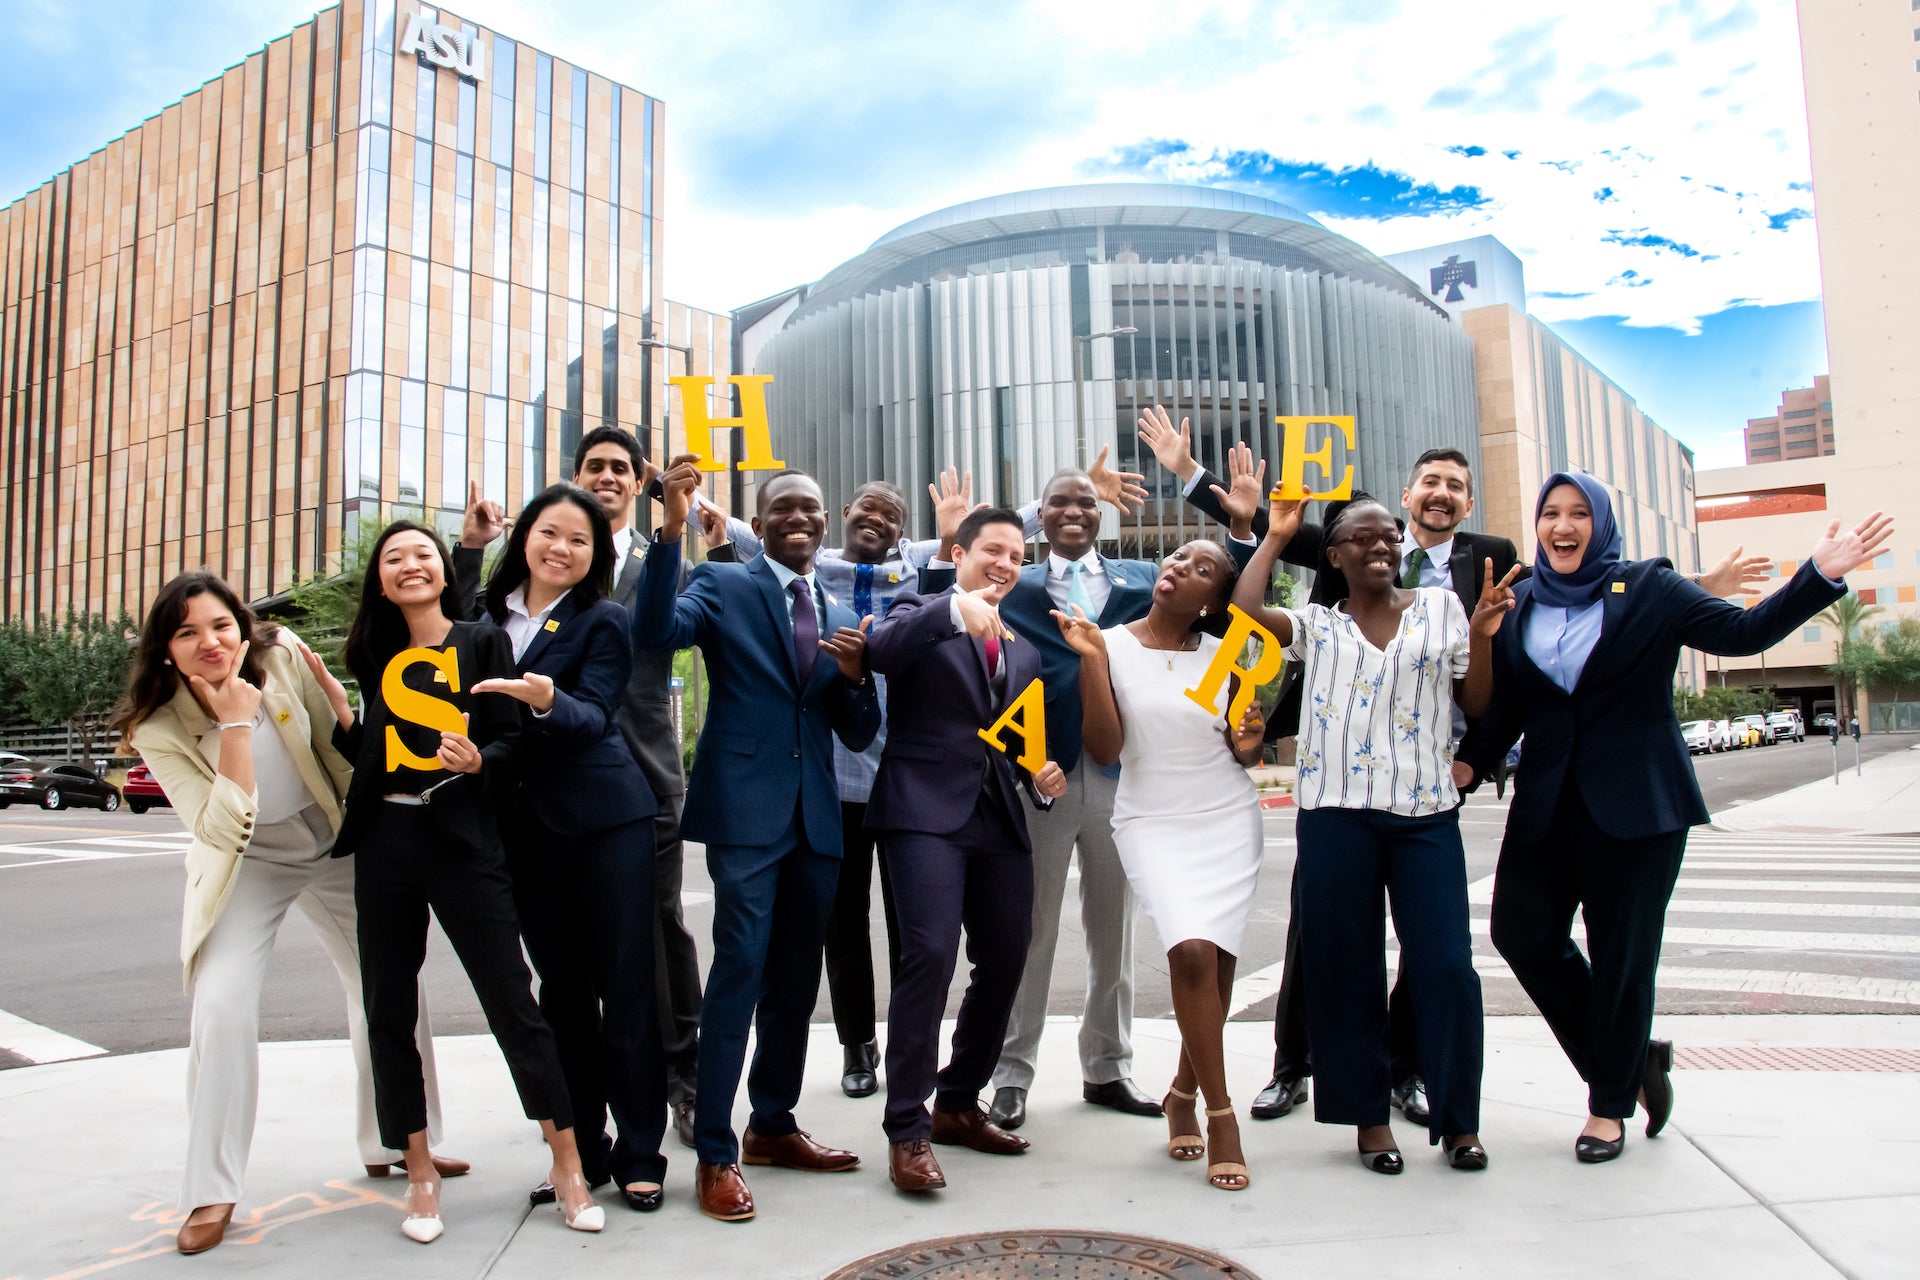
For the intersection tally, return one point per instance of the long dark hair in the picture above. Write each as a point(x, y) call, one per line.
point(513, 570)
point(379, 629)
point(152, 682)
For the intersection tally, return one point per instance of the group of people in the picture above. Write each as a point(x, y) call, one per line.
point(511, 767)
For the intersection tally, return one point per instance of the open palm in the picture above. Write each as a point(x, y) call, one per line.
point(1838, 554)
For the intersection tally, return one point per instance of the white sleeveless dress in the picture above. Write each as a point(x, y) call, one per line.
point(1186, 817)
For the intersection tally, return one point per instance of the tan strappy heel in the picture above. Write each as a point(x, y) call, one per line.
point(1227, 1175)
point(1183, 1146)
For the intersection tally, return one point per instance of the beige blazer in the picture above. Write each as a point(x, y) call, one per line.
point(174, 744)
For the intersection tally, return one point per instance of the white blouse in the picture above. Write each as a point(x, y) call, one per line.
point(1376, 727)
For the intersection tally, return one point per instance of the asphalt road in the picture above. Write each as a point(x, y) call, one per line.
point(89, 925)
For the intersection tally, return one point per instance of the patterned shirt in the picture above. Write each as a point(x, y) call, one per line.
point(1376, 727)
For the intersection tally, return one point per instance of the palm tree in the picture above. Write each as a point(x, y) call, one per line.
point(1847, 615)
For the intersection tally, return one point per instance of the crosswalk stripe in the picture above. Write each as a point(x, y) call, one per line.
point(1824, 986)
point(1773, 940)
point(1481, 893)
point(36, 1043)
point(1847, 910)
point(1796, 864)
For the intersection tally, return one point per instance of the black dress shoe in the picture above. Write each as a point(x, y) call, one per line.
point(1121, 1095)
point(683, 1121)
point(860, 1065)
point(1387, 1161)
point(1410, 1096)
point(1657, 1086)
point(644, 1201)
point(1009, 1109)
point(1282, 1095)
point(544, 1194)
point(1468, 1157)
point(1590, 1150)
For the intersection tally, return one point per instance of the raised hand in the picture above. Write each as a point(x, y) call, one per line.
point(236, 699)
point(1174, 449)
point(677, 485)
point(1284, 516)
point(457, 754)
point(1245, 484)
point(483, 522)
point(979, 615)
point(713, 524)
point(1735, 573)
point(1051, 781)
point(952, 500)
point(533, 689)
point(649, 472)
point(1081, 633)
point(848, 646)
point(1837, 554)
point(336, 693)
point(1496, 600)
point(1116, 488)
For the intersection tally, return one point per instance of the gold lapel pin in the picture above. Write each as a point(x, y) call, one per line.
point(284, 716)
point(1619, 588)
point(553, 624)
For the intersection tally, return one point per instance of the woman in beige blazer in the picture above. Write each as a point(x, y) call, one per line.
point(226, 713)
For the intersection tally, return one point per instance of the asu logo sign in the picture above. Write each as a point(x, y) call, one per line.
point(447, 47)
point(1450, 275)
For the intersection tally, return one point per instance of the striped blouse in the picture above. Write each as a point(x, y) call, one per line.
point(1376, 729)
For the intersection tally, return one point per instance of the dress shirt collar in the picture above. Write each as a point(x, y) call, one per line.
point(1441, 553)
point(517, 604)
point(785, 576)
point(622, 546)
point(1058, 565)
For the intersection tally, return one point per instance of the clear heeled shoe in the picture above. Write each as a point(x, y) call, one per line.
point(569, 1189)
point(422, 1227)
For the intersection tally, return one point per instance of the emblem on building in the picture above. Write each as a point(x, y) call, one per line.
point(1451, 274)
point(447, 47)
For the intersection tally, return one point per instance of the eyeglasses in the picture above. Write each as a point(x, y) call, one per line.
point(1392, 537)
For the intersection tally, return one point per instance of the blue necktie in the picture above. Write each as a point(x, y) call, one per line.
point(806, 630)
point(863, 591)
point(1077, 589)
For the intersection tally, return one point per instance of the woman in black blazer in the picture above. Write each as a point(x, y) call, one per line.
point(429, 749)
point(1606, 791)
point(579, 833)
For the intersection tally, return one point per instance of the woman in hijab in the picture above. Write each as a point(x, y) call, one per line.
point(1605, 791)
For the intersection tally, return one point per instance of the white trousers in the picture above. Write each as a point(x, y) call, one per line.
point(286, 866)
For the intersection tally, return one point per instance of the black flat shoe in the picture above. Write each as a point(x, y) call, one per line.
point(643, 1201)
point(544, 1193)
point(1121, 1095)
point(1387, 1161)
point(1468, 1157)
point(859, 1071)
point(1588, 1149)
point(1282, 1095)
point(1656, 1086)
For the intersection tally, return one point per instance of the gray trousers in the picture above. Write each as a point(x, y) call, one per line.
point(1081, 818)
point(286, 866)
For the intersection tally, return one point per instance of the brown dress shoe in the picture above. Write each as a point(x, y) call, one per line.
point(722, 1192)
point(202, 1236)
point(912, 1166)
point(973, 1129)
point(796, 1150)
point(683, 1122)
point(445, 1166)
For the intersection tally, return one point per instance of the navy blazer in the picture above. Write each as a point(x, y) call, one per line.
point(766, 752)
point(935, 763)
point(1616, 736)
point(576, 774)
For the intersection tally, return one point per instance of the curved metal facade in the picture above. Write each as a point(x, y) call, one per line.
point(976, 370)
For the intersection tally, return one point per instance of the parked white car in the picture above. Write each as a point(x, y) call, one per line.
point(1786, 724)
point(1729, 740)
point(1699, 736)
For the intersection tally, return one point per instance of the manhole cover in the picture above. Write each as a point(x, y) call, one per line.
point(1042, 1255)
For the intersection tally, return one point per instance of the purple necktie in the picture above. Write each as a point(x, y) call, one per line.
point(806, 630)
point(993, 655)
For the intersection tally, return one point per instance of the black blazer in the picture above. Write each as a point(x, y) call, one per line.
point(646, 704)
point(1616, 736)
point(576, 774)
point(935, 763)
point(463, 809)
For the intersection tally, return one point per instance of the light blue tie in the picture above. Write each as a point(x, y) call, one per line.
point(1077, 589)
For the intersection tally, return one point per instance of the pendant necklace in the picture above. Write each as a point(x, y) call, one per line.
point(1157, 641)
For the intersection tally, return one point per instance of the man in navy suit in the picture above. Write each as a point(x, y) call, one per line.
point(785, 666)
point(955, 843)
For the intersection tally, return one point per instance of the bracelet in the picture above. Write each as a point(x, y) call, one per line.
point(235, 724)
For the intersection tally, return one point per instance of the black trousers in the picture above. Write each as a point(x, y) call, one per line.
point(1601, 1010)
point(1350, 860)
point(850, 933)
point(979, 878)
point(405, 867)
point(676, 962)
point(1291, 1056)
point(586, 911)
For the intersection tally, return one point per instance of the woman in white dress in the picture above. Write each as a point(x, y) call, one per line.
point(1186, 820)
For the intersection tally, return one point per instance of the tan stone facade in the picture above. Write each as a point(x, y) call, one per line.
point(331, 284)
point(1802, 427)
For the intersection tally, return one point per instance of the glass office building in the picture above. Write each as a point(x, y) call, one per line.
point(954, 340)
point(388, 252)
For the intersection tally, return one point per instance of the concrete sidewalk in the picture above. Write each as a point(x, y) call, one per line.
point(1769, 1169)
point(1882, 800)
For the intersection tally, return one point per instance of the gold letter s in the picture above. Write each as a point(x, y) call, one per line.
point(419, 708)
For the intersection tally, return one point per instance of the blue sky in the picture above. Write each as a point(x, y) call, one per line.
point(1646, 160)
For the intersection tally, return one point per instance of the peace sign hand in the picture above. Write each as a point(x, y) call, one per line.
point(1496, 599)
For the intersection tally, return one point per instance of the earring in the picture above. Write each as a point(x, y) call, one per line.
point(166, 662)
point(1203, 611)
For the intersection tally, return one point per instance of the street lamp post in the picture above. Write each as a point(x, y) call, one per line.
point(1080, 344)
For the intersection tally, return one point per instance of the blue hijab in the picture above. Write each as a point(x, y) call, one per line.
point(1580, 588)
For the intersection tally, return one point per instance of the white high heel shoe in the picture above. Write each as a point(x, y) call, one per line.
point(422, 1227)
point(590, 1217)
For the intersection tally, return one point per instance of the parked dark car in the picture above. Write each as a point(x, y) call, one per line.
point(54, 785)
point(142, 792)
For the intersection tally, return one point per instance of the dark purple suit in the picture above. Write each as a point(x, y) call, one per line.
point(947, 809)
